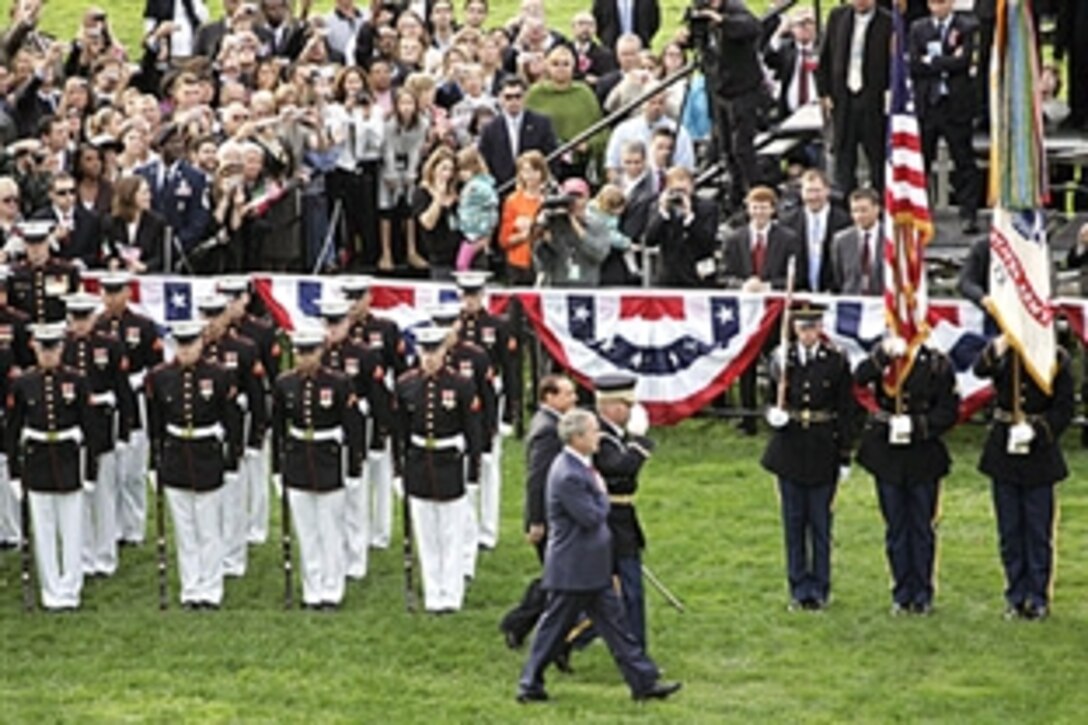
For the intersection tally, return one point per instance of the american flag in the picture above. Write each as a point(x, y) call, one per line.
point(908, 226)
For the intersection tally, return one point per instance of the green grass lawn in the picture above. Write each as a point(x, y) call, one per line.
point(712, 519)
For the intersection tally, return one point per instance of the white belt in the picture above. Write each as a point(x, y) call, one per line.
point(73, 435)
point(456, 442)
point(136, 380)
point(199, 432)
point(336, 434)
point(106, 398)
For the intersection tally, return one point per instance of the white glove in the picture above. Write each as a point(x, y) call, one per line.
point(398, 486)
point(844, 473)
point(899, 430)
point(153, 480)
point(253, 452)
point(375, 454)
point(777, 417)
point(639, 421)
point(353, 483)
point(506, 430)
point(894, 346)
point(16, 488)
point(277, 484)
point(88, 487)
point(1020, 437)
point(230, 477)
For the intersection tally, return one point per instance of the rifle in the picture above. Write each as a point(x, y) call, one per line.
point(784, 334)
point(285, 524)
point(160, 533)
point(24, 547)
point(409, 588)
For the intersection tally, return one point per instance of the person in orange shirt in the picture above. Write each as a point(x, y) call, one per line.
point(519, 212)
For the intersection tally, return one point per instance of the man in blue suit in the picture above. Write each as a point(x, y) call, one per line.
point(178, 190)
point(578, 568)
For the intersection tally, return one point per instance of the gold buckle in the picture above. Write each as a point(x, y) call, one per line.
point(431, 444)
point(52, 436)
point(309, 435)
point(806, 415)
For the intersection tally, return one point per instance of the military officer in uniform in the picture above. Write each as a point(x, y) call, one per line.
point(15, 354)
point(901, 447)
point(254, 465)
point(471, 362)
point(1023, 457)
point(438, 431)
point(315, 419)
point(382, 335)
point(143, 349)
point(363, 368)
point(48, 418)
point(239, 356)
point(195, 438)
point(101, 359)
point(14, 325)
point(492, 333)
point(808, 450)
point(38, 285)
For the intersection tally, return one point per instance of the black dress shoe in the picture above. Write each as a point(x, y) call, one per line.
point(922, 609)
point(1014, 611)
point(525, 696)
point(513, 641)
point(659, 691)
point(1036, 611)
point(190, 606)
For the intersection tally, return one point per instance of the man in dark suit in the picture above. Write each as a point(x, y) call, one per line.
point(556, 396)
point(815, 222)
point(857, 253)
point(578, 568)
point(852, 80)
point(685, 230)
point(619, 17)
point(591, 59)
point(513, 132)
point(179, 191)
point(76, 232)
point(628, 67)
point(942, 49)
point(791, 55)
point(640, 196)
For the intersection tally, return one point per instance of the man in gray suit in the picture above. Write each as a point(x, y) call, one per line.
point(578, 568)
point(857, 252)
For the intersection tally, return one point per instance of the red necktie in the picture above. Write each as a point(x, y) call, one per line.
point(802, 89)
point(758, 252)
point(866, 261)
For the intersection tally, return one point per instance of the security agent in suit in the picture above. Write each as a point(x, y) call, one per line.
point(238, 355)
point(901, 447)
point(48, 420)
point(942, 49)
point(1023, 458)
point(100, 358)
point(578, 568)
point(857, 253)
point(315, 426)
point(383, 335)
point(179, 192)
point(143, 349)
point(77, 232)
point(619, 17)
point(363, 367)
point(534, 132)
point(438, 445)
point(815, 222)
point(556, 395)
point(685, 230)
point(37, 285)
point(852, 80)
point(809, 451)
point(195, 438)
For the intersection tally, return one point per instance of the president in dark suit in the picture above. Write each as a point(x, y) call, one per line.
point(815, 222)
point(578, 568)
point(852, 79)
point(77, 232)
point(618, 17)
point(513, 132)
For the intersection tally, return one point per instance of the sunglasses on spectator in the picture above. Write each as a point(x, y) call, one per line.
point(65, 192)
point(511, 96)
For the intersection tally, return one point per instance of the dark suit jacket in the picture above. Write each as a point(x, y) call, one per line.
point(846, 263)
point(149, 239)
point(683, 246)
point(595, 61)
point(783, 64)
point(84, 241)
point(737, 256)
point(646, 21)
point(579, 555)
point(953, 66)
point(638, 208)
point(835, 61)
point(542, 445)
point(797, 221)
point(181, 201)
point(494, 144)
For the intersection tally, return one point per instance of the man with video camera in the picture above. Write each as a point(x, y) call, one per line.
point(566, 253)
point(684, 229)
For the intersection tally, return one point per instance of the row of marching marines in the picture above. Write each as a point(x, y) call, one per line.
point(95, 418)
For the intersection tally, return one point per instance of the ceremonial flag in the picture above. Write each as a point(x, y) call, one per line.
point(1019, 254)
point(908, 226)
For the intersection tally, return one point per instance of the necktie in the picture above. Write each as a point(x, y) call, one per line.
point(802, 89)
point(866, 262)
point(857, 56)
point(815, 251)
point(513, 127)
point(626, 21)
point(758, 252)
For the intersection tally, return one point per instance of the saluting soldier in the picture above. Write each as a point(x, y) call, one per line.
point(143, 349)
point(363, 367)
point(383, 335)
point(195, 439)
point(254, 465)
point(901, 447)
point(439, 430)
point(101, 359)
point(315, 420)
point(492, 333)
point(15, 354)
point(1023, 458)
point(471, 362)
point(48, 420)
point(38, 285)
point(239, 356)
point(809, 451)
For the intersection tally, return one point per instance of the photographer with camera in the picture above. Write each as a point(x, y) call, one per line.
point(567, 253)
point(684, 230)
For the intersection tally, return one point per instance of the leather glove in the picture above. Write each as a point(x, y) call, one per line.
point(777, 417)
point(16, 488)
point(639, 421)
point(353, 483)
point(894, 346)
